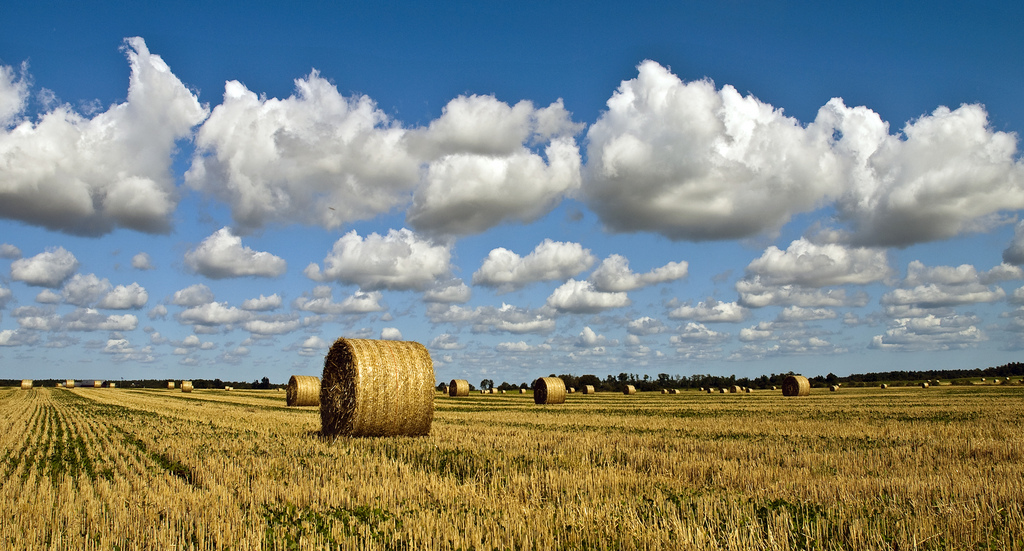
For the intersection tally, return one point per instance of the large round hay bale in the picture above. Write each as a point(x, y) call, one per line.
point(458, 387)
point(630, 389)
point(302, 390)
point(549, 390)
point(70, 383)
point(588, 389)
point(26, 384)
point(377, 388)
point(186, 386)
point(735, 389)
point(170, 385)
point(796, 385)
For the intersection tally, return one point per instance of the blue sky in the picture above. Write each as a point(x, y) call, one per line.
point(192, 190)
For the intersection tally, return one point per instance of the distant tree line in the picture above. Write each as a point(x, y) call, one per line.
point(156, 383)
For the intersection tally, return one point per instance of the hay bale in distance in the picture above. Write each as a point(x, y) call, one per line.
point(111, 385)
point(588, 389)
point(833, 388)
point(723, 390)
point(303, 390)
point(630, 389)
point(796, 385)
point(924, 385)
point(170, 385)
point(186, 386)
point(26, 384)
point(522, 391)
point(675, 391)
point(458, 387)
point(572, 390)
point(750, 390)
point(549, 390)
point(70, 383)
point(735, 389)
point(884, 386)
point(664, 391)
point(97, 384)
point(377, 388)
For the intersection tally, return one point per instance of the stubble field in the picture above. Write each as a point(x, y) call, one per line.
point(902, 468)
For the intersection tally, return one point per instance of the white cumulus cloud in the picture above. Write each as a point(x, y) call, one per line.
point(614, 275)
point(580, 297)
point(710, 311)
point(46, 269)
point(549, 261)
point(222, 255)
point(398, 261)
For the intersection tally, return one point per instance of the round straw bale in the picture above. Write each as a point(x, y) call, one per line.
point(588, 389)
point(170, 385)
point(833, 388)
point(773, 388)
point(70, 383)
point(303, 390)
point(458, 387)
point(549, 390)
point(111, 385)
point(186, 386)
point(674, 391)
point(924, 385)
point(377, 388)
point(711, 389)
point(26, 384)
point(664, 391)
point(723, 390)
point(796, 385)
point(572, 390)
point(494, 390)
point(735, 389)
point(522, 391)
point(97, 384)
point(749, 390)
point(884, 386)
point(630, 389)
point(60, 385)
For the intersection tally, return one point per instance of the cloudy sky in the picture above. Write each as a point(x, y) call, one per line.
point(194, 191)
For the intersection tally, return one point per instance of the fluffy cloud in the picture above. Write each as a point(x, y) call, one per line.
point(193, 295)
point(698, 333)
point(446, 341)
point(84, 319)
point(481, 173)
point(946, 286)
point(125, 297)
point(811, 265)
point(645, 326)
point(142, 261)
point(315, 157)
point(549, 261)
point(798, 314)
point(262, 303)
point(9, 251)
point(455, 291)
point(946, 173)
point(589, 339)
point(222, 255)
point(13, 93)
point(614, 275)
point(930, 333)
point(691, 162)
point(46, 269)
point(755, 294)
point(271, 326)
point(580, 297)
point(87, 176)
point(5, 296)
point(390, 334)
point(322, 302)
point(488, 319)
point(399, 261)
point(84, 290)
point(213, 313)
point(711, 311)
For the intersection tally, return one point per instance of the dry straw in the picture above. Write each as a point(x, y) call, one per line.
point(70, 383)
point(735, 389)
point(111, 385)
point(186, 386)
point(26, 384)
point(458, 387)
point(924, 385)
point(664, 391)
point(630, 389)
point(572, 390)
point(549, 390)
point(170, 385)
point(674, 391)
point(303, 390)
point(377, 388)
point(97, 384)
point(833, 388)
point(522, 391)
point(884, 386)
point(796, 385)
point(588, 389)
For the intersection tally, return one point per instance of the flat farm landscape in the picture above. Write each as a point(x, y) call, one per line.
point(900, 468)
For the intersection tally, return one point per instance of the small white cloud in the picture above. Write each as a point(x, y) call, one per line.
point(399, 261)
point(46, 269)
point(711, 311)
point(614, 275)
point(158, 311)
point(262, 303)
point(222, 255)
point(811, 265)
point(446, 341)
point(193, 295)
point(549, 261)
point(580, 297)
point(646, 326)
point(47, 296)
point(454, 292)
point(9, 251)
point(125, 297)
point(214, 313)
point(390, 334)
point(141, 261)
point(84, 290)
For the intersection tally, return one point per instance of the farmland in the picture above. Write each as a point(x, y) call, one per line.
point(938, 468)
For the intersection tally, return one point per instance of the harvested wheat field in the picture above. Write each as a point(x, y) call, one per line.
point(865, 468)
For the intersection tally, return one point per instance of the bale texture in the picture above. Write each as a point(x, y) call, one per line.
point(26, 384)
point(588, 389)
point(170, 385)
point(796, 385)
point(186, 386)
point(303, 390)
point(377, 388)
point(630, 389)
point(549, 390)
point(458, 387)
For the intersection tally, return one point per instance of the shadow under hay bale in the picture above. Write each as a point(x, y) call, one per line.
point(549, 390)
point(377, 388)
point(796, 385)
point(458, 387)
point(303, 390)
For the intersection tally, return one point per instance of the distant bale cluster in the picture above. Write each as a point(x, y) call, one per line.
point(303, 390)
point(549, 390)
point(377, 388)
point(796, 385)
point(458, 387)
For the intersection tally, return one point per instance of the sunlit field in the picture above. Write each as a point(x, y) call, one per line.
point(901, 468)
